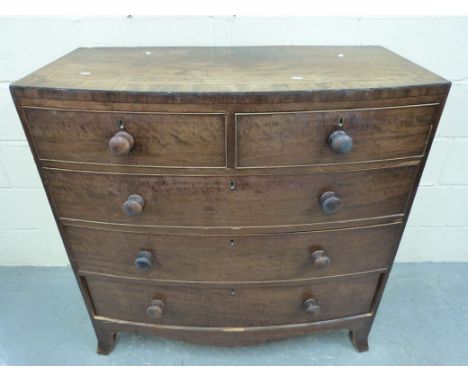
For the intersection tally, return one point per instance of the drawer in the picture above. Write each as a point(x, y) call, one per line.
point(233, 306)
point(232, 258)
point(220, 201)
point(302, 138)
point(159, 139)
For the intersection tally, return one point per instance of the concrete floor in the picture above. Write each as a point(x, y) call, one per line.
point(422, 321)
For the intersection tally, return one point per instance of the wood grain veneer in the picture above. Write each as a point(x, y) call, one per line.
point(210, 201)
point(297, 138)
point(233, 258)
point(161, 139)
point(233, 306)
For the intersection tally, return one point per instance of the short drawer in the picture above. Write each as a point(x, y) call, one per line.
point(232, 306)
point(221, 201)
point(304, 138)
point(239, 258)
point(158, 139)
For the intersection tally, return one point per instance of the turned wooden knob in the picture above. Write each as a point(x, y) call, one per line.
point(144, 261)
point(134, 205)
point(121, 143)
point(311, 306)
point(330, 202)
point(320, 259)
point(155, 309)
point(340, 142)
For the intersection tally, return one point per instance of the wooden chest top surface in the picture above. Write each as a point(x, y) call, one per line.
point(230, 70)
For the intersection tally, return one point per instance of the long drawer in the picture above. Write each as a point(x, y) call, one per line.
point(232, 258)
point(238, 201)
point(233, 307)
point(159, 139)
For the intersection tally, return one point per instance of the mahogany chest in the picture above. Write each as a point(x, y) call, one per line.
point(231, 196)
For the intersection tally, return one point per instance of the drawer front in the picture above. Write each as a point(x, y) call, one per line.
point(301, 138)
point(232, 258)
point(159, 139)
point(219, 201)
point(233, 307)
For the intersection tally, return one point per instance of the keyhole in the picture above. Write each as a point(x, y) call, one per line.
point(233, 292)
point(232, 243)
point(121, 125)
point(232, 185)
point(340, 122)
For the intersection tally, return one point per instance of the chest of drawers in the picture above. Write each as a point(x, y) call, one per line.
point(231, 196)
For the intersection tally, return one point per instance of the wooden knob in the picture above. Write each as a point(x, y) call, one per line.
point(320, 259)
point(144, 261)
point(121, 143)
point(134, 205)
point(155, 309)
point(340, 142)
point(311, 306)
point(330, 202)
